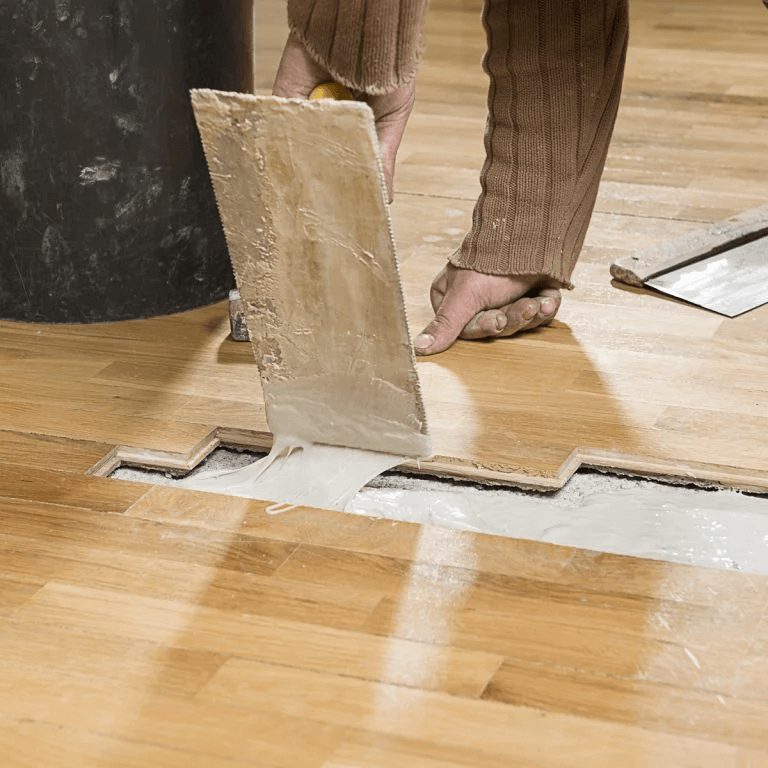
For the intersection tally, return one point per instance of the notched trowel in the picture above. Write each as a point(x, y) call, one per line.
point(302, 200)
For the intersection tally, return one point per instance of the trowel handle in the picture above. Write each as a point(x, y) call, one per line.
point(331, 90)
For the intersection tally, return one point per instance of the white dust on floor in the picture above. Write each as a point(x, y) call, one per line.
point(625, 516)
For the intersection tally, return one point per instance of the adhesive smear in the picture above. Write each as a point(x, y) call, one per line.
point(297, 473)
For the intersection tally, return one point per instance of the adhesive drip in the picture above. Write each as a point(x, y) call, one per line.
point(298, 473)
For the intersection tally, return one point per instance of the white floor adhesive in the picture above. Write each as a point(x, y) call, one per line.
point(642, 518)
point(298, 473)
point(715, 529)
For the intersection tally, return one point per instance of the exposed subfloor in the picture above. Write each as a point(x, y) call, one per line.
point(606, 513)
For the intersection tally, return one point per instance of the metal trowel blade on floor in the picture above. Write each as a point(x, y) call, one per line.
point(303, 204)
point(730, 283)
point(722, 267)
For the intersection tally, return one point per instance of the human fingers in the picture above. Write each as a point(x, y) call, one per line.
point(391, 112)
point(549, 303)
point(438, 288)
point(456, 310)
point(504, 321)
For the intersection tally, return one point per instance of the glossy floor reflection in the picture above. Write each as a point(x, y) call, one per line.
point(160, 626)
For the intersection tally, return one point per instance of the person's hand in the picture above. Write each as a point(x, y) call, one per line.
point(472, 305)
point(298, 74)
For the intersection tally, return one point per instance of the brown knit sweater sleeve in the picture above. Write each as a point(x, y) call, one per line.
point(372, 46)
point(556, 69)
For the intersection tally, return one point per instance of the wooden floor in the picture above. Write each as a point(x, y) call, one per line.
point(155, 626)
point(162, 627)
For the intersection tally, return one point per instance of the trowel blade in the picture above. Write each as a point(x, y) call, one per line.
point(730, 283)
point(303, 204)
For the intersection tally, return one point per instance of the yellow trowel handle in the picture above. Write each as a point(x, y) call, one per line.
point(331, 91)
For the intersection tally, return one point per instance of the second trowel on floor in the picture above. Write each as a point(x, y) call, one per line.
point(723, 267)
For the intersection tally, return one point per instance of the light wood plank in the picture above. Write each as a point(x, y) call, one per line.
point(122, 534)
point(14, 593)
point(27, 745)
point(25, 561)
point(62, 454)
point(518, 732)
point(305, 646)
point(108, 657)
point(667, 708)
point(69, 489)
point(132, 720)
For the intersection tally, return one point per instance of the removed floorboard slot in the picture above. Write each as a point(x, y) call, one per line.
point(596, 511)
point(444, 467)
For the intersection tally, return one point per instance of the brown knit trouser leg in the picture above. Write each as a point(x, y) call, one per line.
point(556, 69)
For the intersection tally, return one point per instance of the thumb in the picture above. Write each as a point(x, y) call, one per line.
point(454, 313)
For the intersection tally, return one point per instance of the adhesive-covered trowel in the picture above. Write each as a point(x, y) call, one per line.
point(303, 204)
point(237, 325)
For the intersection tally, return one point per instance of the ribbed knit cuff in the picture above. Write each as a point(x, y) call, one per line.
point(556, 69)
point(373, 46)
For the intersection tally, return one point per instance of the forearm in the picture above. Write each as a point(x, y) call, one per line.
point(556, 68)
point(372, 46)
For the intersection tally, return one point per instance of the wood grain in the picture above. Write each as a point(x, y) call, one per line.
point(199, 625)
point(517, 732)
point(669, 707)
point(43, 450)
point(55, 487)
